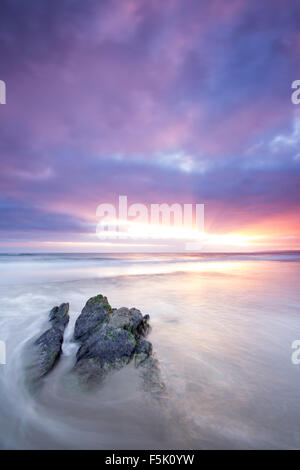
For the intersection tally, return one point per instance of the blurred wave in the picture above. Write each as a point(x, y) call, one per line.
point(222, 328)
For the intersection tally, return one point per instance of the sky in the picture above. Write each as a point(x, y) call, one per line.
point(172, 101)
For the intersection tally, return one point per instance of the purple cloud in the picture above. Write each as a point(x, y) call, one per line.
point(173, 101)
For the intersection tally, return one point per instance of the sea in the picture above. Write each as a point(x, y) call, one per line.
point(223, 327)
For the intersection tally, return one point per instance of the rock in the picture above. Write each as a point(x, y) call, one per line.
point(110, 339)
point(94, 313)
point(129, 319)
point(46, 350)
point(108, 349)
point(59, 317)
point(108, 345)
point(144, 327)
point(150, 373)
point(142, 351)
point(148, 367)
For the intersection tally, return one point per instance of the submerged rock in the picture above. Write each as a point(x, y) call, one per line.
point(46, 350)
point(142, 351)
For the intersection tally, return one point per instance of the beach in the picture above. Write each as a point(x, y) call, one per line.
point(222, 330)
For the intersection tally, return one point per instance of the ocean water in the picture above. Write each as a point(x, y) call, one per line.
point(222, 329)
